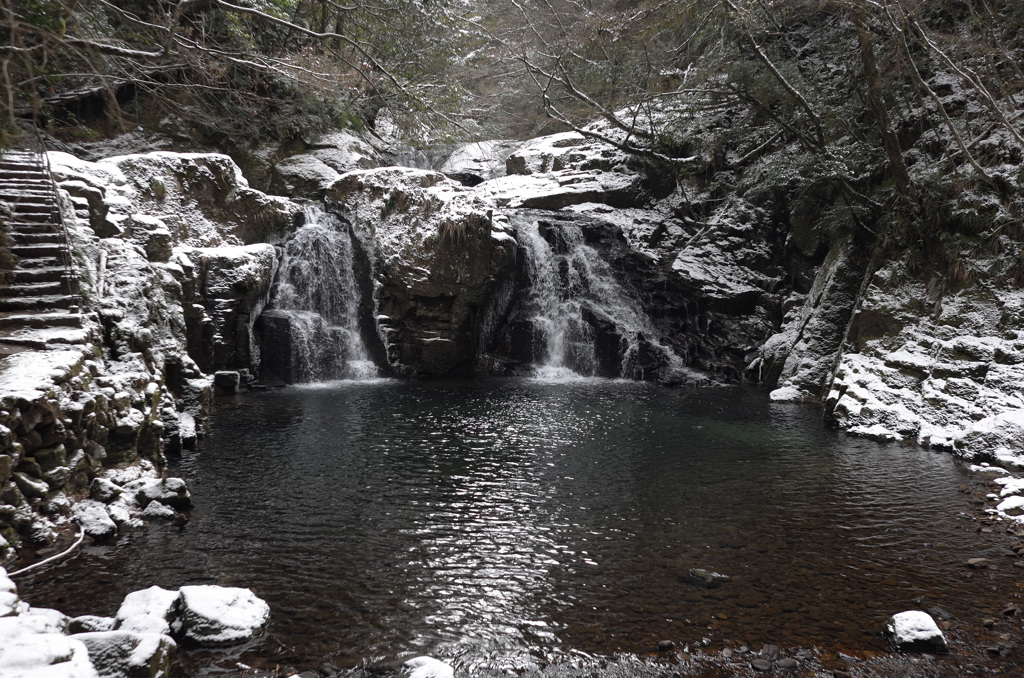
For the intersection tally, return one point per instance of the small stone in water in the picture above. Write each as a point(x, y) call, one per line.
point(787, 664)
point(988, 623)
point(707, 578)
point(665, 645)
point(727, 653)
point(761, 665)
point(770, 652)
point(977, 563)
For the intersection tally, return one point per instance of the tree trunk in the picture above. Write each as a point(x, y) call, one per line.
point(876, 101)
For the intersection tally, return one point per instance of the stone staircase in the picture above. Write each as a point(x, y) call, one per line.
point(39, 306)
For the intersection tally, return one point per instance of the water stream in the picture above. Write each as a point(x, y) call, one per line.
point(493, 522)
point(585, 322)
point(317, 296)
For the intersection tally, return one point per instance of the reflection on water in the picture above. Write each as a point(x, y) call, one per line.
point(503, 518)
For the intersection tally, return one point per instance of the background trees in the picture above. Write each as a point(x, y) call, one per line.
point(856, 110)
point(236, 70)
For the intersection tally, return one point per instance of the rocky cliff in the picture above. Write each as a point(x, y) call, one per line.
point(177, 256)
point(169, 294)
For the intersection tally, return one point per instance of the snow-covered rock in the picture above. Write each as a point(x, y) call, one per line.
point(428, 667)
point(43, 655)
point(127, 654)
point(95, 519)
point(557, 190)
point(216, 615)
point(10, 603)
point(171, 492)
point(202, 198)
point(945, 371)
point(915, 631)
point(150, 610)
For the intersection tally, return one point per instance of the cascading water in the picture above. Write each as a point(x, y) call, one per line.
point(584, 322)
point(316, 294)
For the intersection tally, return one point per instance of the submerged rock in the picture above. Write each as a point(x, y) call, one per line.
point(707, 578)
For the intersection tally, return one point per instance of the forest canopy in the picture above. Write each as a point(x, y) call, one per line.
point(866, 102)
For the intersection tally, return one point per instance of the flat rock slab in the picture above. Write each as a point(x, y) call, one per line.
point(43, 338)
point(31, 374)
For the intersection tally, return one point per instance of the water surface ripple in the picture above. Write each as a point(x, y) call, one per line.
point(504, 518)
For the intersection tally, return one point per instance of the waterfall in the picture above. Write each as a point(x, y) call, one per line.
point(584, 321)
point(315, 303)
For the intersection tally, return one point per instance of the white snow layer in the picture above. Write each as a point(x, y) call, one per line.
point(428, 667)
point(215, 614)
point(913, 626)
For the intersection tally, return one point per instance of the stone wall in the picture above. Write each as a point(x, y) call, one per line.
point(170, 293)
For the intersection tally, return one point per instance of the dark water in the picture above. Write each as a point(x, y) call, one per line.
point(488, 521)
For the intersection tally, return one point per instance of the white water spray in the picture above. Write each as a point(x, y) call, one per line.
point(316, 288)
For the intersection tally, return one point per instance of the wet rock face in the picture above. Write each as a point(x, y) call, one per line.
point(227, 289)
point(435, 255)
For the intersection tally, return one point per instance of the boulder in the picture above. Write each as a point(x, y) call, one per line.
point(915, 631)
point(104, 490)
point(302, 176)
point(32, 655)
point(171, 492)
point(232, 288)
point(216, 615)
point(125, 654)
point(89, 623)
point(95, 519)
point(150, 610)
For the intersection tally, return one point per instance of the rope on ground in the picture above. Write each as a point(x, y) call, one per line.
point(45, 561)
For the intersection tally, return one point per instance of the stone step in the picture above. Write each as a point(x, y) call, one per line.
point(53, 319)
point(38, 217)
point(32, 289)
point(27, 205)
point(45, 302)
point(38, 275)
point(38, 251)
point(24, 175)
point(40, 338)
point(10, 184)
point(38, 263)
point(36, 237)
point(32, 227)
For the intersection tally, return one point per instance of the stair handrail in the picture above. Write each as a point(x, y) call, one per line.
point(58, 216)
